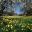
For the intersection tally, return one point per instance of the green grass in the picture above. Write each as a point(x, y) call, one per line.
point(25, 19)
point(16, 24)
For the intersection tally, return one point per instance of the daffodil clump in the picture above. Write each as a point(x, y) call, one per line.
point(11, 24)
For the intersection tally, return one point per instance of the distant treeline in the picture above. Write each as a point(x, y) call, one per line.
point(27, 12)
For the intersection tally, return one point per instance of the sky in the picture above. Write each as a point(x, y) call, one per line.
point(18, 8)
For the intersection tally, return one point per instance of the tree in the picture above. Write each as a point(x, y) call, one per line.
point(2, 7)
point(29, 9)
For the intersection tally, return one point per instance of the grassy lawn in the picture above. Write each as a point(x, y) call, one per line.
point(16, 24)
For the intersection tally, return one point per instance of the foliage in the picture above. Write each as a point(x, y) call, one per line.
point(28, 9)
point(14, 24)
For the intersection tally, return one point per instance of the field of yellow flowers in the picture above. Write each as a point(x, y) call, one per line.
point(16, 24)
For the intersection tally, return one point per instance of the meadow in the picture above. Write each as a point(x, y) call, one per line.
point(16, 24)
